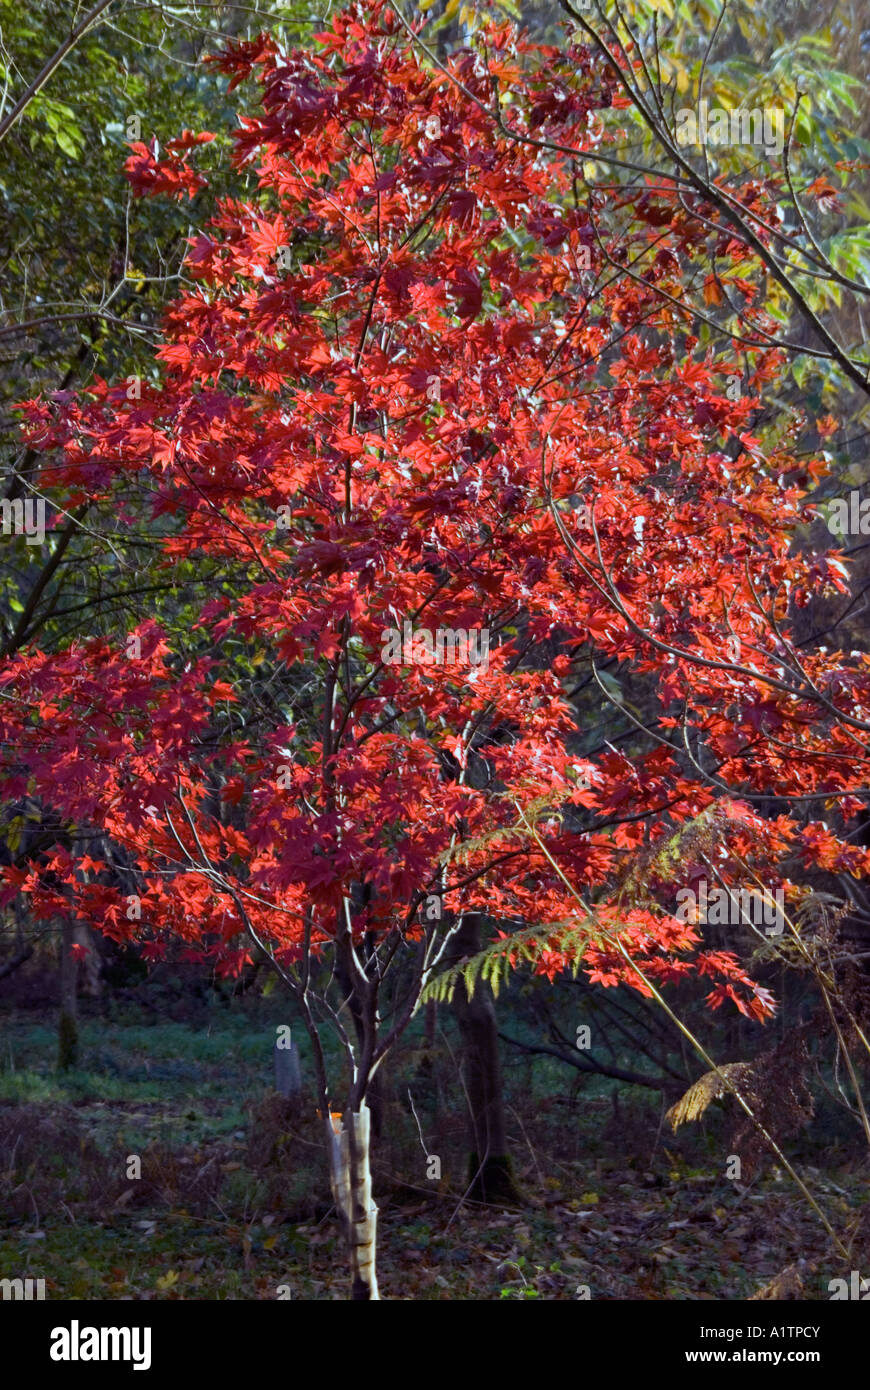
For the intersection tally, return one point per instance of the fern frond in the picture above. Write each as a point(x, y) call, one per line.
point(493, 964)
point(708, 1088)
point(541, 808)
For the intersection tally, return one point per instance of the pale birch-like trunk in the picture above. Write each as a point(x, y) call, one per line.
point(350, 1177)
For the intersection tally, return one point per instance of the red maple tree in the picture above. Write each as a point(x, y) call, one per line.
point(421, 375)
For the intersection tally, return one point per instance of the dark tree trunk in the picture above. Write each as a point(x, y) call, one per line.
point(490, 1173)
point(68, 1028)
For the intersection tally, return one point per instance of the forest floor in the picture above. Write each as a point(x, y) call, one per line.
point(232, 1201)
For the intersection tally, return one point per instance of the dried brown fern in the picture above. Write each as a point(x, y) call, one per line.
point(711, 1086)
point(775, 1088)
point(788, 1284)
point(780, 1097)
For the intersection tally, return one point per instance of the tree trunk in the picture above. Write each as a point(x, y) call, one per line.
point(490, 1171)
point(351, 1181)
point(375, 1088)
point(68, 1027)
point(90, 968)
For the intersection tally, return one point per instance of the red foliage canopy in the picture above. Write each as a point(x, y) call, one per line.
point(396, 391)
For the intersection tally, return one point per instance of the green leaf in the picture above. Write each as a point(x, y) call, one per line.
point(65, 141)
